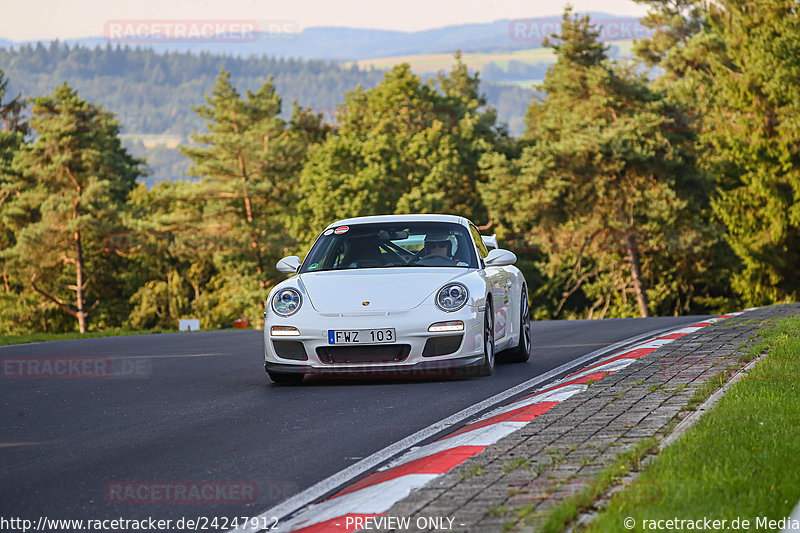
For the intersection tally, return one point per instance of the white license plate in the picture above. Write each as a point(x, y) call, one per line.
point(361, 336)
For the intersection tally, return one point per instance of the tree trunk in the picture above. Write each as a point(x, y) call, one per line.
point(80, 303)
point(249, 212)
point(636, 274)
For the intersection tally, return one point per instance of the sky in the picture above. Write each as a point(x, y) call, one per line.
point(24, 20)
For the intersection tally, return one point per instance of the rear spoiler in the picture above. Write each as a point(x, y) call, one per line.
point(490, 242)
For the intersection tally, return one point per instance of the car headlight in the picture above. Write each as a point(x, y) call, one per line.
point(452, 297)
point(286, 302)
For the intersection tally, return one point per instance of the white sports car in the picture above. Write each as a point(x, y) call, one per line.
point(399, 294)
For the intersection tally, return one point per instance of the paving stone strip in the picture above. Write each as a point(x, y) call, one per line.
point(561, 451)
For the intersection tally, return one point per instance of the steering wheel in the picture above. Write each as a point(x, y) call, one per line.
point(442, 260)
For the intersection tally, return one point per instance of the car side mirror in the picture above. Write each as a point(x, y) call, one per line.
point(499, 257)
point(289, 264)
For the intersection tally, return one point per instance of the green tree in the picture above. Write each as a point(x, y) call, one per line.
point(597, 188)
point(15, 304)
point(681, 50)
point(218, 238)
point(69, 185)
point(181, 267)
point(171, 258)
point(236, 164)
point(12, 134)
point(678, 43)
point(403, 146)
point(249, 165)
point(751, 134)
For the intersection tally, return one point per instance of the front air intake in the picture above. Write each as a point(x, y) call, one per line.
point(293, 350)
point(372, 353)
point(442, 345)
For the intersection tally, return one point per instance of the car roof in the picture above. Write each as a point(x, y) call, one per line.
point(400, 218)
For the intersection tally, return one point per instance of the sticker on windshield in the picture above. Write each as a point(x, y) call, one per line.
point(327, 232)
point(313, 266)
point(341, 229)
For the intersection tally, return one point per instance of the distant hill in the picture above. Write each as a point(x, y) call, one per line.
point(350, 44)
point(151, 85)
point(153, 93)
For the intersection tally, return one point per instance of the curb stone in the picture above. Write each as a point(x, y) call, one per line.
point(558, 453)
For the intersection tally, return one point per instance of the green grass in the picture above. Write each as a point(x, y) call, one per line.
point(517, 463)
point(706, 389)
point(475, 471)
point(45, 337)
point(741, 460)
point(556, 518)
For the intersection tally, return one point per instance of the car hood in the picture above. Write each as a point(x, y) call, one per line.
point(386, 289)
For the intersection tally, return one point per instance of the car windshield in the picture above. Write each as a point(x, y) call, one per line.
point(392, 244)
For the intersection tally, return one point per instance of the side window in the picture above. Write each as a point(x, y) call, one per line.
point(476, 236)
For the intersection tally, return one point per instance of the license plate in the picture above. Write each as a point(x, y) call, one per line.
point(361, 336)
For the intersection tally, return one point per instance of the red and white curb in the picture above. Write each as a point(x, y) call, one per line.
point(372, 496)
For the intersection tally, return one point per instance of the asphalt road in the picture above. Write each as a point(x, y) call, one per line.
point(198, 407)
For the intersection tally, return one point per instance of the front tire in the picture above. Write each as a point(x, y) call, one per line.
point(487, 368)
point(522, 352)
point(286, 379)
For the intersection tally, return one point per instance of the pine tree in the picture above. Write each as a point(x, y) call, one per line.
point(248, 163)
point(595, 188)
point(70, 184)
point(751, 134)
point(13, 129)
point(248, 168)
point(680, 54)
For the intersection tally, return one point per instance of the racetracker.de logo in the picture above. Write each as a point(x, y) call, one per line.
point(67, 367)
point(611, 29)
point(197, 31)
point(180, 492)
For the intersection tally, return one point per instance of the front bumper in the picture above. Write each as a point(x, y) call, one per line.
point(411, 328)
point(461, 367)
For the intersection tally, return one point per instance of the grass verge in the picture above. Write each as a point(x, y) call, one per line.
point(565, 512)
point(740, 461)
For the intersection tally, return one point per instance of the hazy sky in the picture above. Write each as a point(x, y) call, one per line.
point(64, 19)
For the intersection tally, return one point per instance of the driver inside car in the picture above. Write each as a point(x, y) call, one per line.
point(441, 246)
